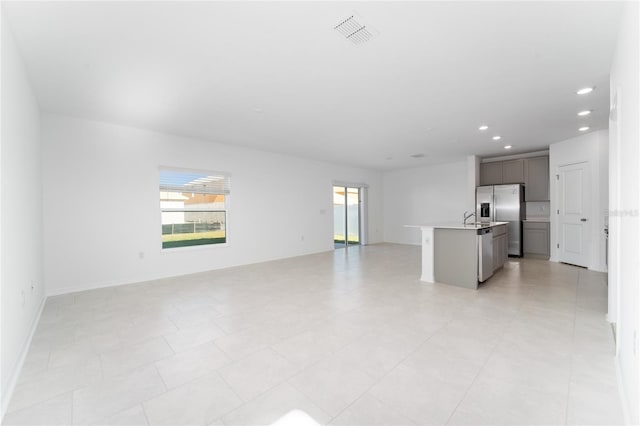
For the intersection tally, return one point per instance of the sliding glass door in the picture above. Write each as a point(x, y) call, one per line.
point(346, 216)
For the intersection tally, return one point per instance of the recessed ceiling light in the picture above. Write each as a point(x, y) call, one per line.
point(585, 90)
point(584, 129)
point(483, 127)
point(585, 112)
point(497, 138)
point(507, 147)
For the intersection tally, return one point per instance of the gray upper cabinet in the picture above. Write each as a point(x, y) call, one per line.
point(500, 172)
point(537, 182)
point(533, 172)
point(513, 171)
point(491, 173)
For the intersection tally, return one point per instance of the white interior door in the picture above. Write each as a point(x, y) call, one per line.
point(573, 217)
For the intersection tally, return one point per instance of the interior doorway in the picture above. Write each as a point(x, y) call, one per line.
point(347, 219)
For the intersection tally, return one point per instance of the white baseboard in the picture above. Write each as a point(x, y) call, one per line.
point(6, 397)
point(116, 283)
point(623, 397)
point(96, 286)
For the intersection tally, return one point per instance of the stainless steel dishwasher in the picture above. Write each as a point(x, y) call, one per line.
point(485, 254)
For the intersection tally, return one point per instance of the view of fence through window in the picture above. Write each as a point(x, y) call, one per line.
point(193, 208)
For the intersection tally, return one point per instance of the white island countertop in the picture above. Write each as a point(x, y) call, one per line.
point(453, 225)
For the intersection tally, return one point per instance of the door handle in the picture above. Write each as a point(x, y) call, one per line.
point(584, 219)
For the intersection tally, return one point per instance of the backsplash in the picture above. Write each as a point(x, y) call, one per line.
point(538, 209)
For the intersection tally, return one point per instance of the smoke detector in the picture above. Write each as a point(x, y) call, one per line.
point(354, 29)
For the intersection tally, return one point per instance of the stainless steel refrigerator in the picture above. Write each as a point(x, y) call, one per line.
point(503, 203)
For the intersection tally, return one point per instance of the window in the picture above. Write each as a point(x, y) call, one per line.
point(193, 207)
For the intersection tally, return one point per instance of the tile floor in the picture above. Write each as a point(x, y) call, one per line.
point(350, 337)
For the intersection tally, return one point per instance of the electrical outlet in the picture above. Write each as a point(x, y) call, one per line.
point(141, 255)
point(302, 238)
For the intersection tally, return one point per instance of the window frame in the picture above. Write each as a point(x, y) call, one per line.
point(226, 209)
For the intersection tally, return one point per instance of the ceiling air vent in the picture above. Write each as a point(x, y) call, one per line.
point(353, 29)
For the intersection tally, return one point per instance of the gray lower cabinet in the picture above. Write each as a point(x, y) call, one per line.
point(456, 254)
point(455, 257)
point(536, 238)
point(500, 246)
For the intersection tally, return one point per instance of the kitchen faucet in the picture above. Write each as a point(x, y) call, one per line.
point(467, 216)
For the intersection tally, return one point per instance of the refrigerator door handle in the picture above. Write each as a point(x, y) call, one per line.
point(494, 214)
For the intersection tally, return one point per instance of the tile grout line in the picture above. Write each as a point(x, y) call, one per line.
point(573, 342)
point(336, 351)
point(72, 406)
point(144, 412)
point(389, 372)
point(235, 393)
point(141, 403)
point(486, 361)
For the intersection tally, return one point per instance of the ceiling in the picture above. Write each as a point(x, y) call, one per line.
point(276, 76)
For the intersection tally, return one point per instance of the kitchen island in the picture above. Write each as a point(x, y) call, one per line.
point(453, 253)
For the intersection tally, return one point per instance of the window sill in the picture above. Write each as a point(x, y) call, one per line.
point(193, 248)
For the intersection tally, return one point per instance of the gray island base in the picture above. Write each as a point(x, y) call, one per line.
point(451, 253)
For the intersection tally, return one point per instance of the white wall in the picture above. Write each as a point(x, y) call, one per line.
point(21, 215)
point(624, 265)
point(593, 148)
point(432, 194)
point(101, 204)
